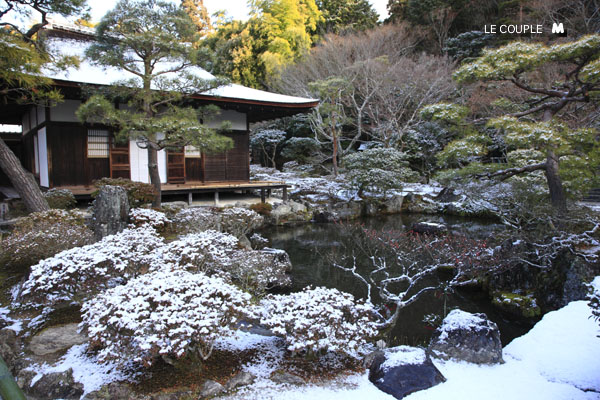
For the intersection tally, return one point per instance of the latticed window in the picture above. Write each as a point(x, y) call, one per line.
point(97, 143)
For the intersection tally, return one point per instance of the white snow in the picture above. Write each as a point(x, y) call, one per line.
point(457, 319)
point(403, 355)
point(86, 369)
point(90, 73)
point(558, 359)
point(15, 325)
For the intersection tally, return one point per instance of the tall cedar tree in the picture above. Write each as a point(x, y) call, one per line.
point(540, 127)
point(153, 41)
point(199, 15)
point(22, 57)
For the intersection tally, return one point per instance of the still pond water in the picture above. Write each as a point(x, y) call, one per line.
point(310, 247)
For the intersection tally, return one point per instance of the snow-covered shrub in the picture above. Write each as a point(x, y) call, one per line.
point(79, 273)
point(190, 220)
point(239, 221)
point(42, 235)
point(203, 251)
point(169, 314)
point(378, 170)
point(319, 319)
point(147, 217)
point(62, 199)
point(257, 271)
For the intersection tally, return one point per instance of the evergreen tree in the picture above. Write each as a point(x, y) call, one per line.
point(346, 15)
point(537, 138)
point(199, 15)
point(152, 40)
point(278, 33)
point(22, 57)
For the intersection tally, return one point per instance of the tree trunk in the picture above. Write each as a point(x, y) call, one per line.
point(555, 186)
point(22, 180)
point(335, 155)
point(154, 175)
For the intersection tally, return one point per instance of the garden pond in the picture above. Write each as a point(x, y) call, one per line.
point(313, 247)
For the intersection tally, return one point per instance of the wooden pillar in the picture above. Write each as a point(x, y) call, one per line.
point(285, 193)
point(189, 198)
point(216, 197)
point(262, 195)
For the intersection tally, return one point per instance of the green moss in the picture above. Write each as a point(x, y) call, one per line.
point(520, 304)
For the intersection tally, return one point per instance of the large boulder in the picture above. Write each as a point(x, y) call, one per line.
point(429, 228)
point(112, 391)
point(403, 370)
point(57, 385)
point(110, 211)
point(56, 339)
point(289, 211)
point(467, 337)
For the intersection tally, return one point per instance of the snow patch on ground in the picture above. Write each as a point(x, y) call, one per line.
point(86, 369)
point(13, 324)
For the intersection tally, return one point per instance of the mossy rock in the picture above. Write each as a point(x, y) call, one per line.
point(523, 305)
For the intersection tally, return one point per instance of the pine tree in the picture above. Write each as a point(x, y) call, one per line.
point(153, 41)
point(540, 130)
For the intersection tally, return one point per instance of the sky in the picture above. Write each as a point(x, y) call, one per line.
point(238, 9)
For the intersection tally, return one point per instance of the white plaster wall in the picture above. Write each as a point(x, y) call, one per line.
point(65, 111)
point(43, 154)
point(138, 162)
point(237, 120)
point(138, 159)
point(162, 165)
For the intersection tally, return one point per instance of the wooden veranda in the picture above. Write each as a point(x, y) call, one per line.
point(191, 188)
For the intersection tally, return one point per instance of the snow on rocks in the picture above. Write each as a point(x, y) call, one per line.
point(468, 337)
point(403, 355)
point(403, 370)
point(166, 313)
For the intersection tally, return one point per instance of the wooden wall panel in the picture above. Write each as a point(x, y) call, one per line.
point(237, 158)
point(193, 169)
point(67, 148)
point(233, 165)
point(214, 167)
point(98, 168)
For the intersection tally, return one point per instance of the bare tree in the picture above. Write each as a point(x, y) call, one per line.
point(386, 82)
point(399, 267)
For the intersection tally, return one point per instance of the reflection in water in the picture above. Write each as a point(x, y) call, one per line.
point(312, 246)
